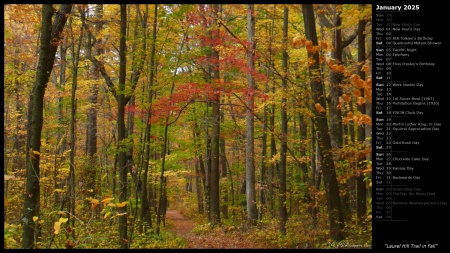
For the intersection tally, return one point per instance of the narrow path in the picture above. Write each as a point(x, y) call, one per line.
point(216, 239)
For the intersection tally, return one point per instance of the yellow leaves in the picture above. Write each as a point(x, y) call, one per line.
point(276, 158)
point(59, 190)
point(57, 225)
point(61, 212)
point(319, 107)
point(35, 218)
point(111, 205)
point(106, 200)
point(34, 152)
point(106, 215)
point(121, 214)
point(121, 204)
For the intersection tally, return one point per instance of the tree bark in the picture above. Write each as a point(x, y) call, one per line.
point(91, 139)
point(250, 121)
point(50, 33)
point(145, 210)
point(283, 148)
point(121, 130)
point(215, 131)
point(329, 172)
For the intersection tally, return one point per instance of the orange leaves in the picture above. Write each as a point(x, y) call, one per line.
point(357, 93)
point(357, 119)
point(357, 81)
point(319, 107)
point(311, 61)
point(365, 68)
point(346, 97)
point(94, 202)
point(323, 44)
point(360, 100)
point(336, 67)
point(298, 41)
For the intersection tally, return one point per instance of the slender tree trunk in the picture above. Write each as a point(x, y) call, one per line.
point(49, 33)
point(250, 121)
point(215, 131)
point(283, 148)
point(329, 172)
point(75, 60)
point(91, 138)
point(145, 210)
point(121, 130)
point(224, 165)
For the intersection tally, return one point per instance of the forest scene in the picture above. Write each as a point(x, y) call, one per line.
point(179, 126)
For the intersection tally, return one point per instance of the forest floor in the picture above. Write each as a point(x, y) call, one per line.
point(213, 239)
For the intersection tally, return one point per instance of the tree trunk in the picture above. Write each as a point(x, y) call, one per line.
point(75, 60)
point(145, 210)
point(215, 122)
point(224, 172)
point(329, 172)
point(283, 147)
point(122, 157)
point(49, 33)
point(250, 121)
point(91, 138)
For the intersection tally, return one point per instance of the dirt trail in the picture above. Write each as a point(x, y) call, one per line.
point(182, 227)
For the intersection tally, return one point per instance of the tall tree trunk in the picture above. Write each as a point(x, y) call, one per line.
point(329, 172)
point(284, 132)
point(215, 118)
point(121, 131)
point(250, 121)
point(224, 165)
point(91, 139)
point(75, 60)
point(49, 34)
point(335, 87)
point(145, 210)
